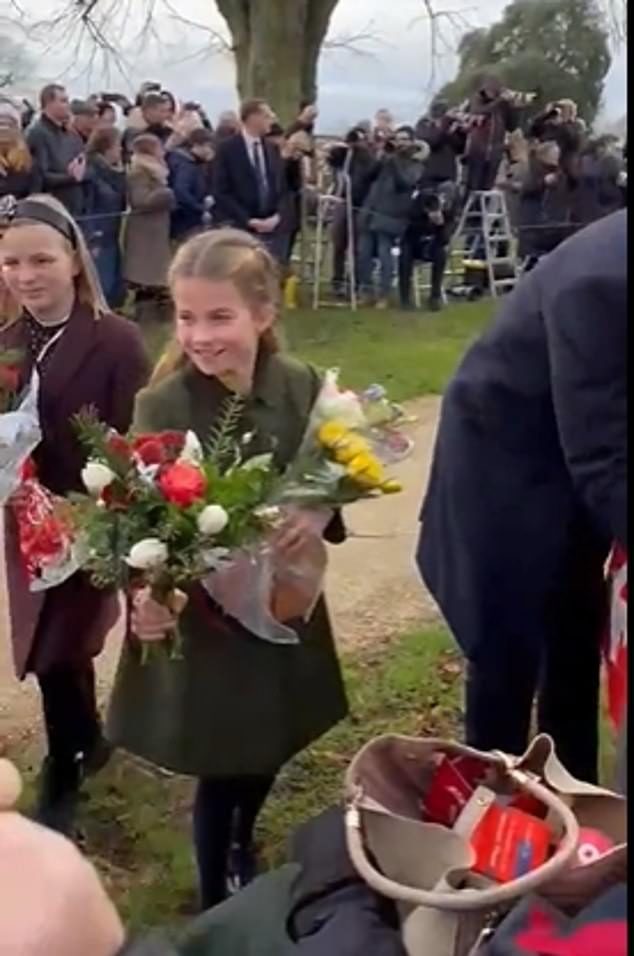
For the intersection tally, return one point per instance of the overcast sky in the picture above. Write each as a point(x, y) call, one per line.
point(394, 72)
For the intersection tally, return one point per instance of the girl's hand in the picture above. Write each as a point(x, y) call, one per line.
point(299, 531)
point(150, 621)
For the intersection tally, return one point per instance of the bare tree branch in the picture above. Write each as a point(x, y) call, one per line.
point(354, 41)
point(446, 27)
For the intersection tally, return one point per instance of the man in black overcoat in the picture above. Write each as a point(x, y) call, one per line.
point(528, 492)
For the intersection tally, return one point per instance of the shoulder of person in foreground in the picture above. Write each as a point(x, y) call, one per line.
point(584, 307)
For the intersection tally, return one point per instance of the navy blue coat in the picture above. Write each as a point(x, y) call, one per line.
point(532, 441)
point(190, 180)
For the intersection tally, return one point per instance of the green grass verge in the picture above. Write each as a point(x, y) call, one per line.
point(411, 353)
point(137, 822)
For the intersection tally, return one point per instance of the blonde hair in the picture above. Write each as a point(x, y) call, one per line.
point(15, 155)
point(225, 255)
point(87, 284)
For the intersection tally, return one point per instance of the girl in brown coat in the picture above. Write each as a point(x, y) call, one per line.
point(85, 357)
point(147, 248)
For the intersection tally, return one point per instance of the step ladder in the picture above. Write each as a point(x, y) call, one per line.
point(340, 197)
point(485, 223)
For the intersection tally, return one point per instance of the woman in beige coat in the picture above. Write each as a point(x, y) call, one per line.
point(147, 235)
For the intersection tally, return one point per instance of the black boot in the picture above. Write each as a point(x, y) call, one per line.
point(96, 758)
point(58, 795)
point(242, 867)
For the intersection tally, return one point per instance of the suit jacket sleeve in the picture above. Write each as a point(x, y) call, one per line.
point(130, 374)
point(227, 205)
point(587, 343)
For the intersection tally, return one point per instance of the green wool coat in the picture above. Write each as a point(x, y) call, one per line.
point(235, 704)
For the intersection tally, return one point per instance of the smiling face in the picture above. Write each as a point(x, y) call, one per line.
point(218, 330)
point(39, 269)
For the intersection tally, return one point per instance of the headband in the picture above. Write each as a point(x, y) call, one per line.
point(39, 212)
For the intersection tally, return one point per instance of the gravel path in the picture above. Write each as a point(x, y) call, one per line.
point(373, 588)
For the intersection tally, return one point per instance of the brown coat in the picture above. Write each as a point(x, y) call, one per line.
point(147, 249)
point(100, 363)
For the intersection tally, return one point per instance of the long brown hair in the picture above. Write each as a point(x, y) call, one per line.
point(221, 255)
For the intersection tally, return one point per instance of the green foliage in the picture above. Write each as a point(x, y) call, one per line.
point(557, 46)
point(221, 444)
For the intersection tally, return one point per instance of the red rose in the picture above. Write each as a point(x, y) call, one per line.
point(173, 444)
point(119, 447)
point(150, 451)
point(182, 484)
point(116, 497)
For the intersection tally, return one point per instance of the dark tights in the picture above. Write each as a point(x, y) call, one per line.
point(70, 711)
point(225, 810)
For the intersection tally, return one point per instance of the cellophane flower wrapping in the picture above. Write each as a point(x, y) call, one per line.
point(20, 434)
point(46, 535)
point(349, 439)
point(264, 593)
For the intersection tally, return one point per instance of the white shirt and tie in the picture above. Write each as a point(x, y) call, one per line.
point(255, 152)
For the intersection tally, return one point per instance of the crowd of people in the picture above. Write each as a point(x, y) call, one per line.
point(142, 177)
point(526, 498)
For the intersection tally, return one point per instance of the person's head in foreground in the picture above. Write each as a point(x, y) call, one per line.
point(225, 287)
point(52, 902)
point(45, 262)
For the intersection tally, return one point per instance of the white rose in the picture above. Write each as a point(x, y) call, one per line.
point(192, 452)
point(212, 520)
point(96, 477)
point(147, 554)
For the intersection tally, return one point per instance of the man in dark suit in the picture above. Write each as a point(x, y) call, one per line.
point(528, 491)
point(248, 178)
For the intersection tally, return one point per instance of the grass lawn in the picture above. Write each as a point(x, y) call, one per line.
point(411, 353)
point(137, 822)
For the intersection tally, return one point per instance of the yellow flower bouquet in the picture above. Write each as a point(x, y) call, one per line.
point(348, 444)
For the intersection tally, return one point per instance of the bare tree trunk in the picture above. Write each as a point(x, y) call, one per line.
point(276, 44)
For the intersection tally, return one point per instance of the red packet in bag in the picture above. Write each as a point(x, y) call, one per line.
point(447, 796)
point(507, 842)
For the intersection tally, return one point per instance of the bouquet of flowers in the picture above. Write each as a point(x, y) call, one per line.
point(19, 424)
point(45, 531)
point(163, 511)
point(349, 440)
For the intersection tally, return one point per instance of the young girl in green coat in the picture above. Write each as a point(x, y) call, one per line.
point(236, 707)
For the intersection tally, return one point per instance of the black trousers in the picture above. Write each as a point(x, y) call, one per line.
point(225, 810)
point(413, 249)
point(562, 670)
point(70, 712)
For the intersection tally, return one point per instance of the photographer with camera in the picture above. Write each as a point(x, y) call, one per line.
point(426, 239)
point(544, 204)
point(559, 124)
point(446, 139)
point(492, 113)
point(352, 159)
point(386, 210)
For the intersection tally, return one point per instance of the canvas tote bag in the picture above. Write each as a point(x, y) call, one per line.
point(445, 907)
